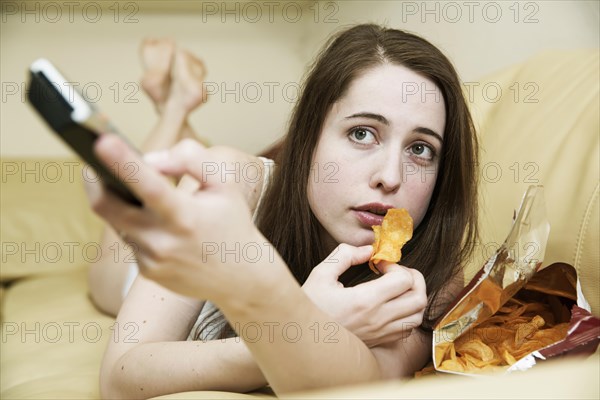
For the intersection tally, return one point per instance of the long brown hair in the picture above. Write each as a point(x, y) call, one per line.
point(447, 233)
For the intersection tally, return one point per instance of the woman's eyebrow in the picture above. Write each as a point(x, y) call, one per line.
point(377, 117)
point(383, 120)
point(427, 131)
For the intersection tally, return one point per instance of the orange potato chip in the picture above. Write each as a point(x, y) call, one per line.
point(528, 329)
point(558, 332)
point(493, 334)
point(474, 362)
point(477, 349)
point(508, 358)
point(395, 230)
point(452, 365)
point(515, 331)
point(429, 369)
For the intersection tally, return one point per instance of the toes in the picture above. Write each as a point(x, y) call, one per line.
point(157, 54)
point(188, 67)
point(157, 57)
point(155, 85)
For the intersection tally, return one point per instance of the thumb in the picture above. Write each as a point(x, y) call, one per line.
point(345, 256)
point(188, 184)
point(186, 157)
point(387, 266)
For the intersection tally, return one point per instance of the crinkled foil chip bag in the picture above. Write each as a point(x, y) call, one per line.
point(513, 314)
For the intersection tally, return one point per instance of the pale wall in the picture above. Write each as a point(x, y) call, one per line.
point(479, 36)
point(104, 53)
point(244, 54)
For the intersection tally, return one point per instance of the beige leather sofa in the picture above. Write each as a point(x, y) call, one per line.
point(539, 124)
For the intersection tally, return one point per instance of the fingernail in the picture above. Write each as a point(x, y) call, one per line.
point(156, 157)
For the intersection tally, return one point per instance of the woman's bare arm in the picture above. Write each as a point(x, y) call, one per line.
point(108, 274)
point(222, 364)
point(152, 357)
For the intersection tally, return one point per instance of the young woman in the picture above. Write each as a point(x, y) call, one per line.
point(381, 123)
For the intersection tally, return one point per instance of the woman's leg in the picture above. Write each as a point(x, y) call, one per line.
point(185, 93)
point(173, 79)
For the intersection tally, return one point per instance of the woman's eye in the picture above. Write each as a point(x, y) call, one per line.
point(362, 135)
point(422, 150)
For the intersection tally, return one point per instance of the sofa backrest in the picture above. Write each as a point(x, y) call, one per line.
point(539, 125)
point(46, 225)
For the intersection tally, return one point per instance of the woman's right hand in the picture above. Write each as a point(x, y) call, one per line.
point(220, 164)
point(380, 311)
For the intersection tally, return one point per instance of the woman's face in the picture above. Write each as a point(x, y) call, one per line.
point(379, 149)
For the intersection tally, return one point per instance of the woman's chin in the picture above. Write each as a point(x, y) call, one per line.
point(358, 239)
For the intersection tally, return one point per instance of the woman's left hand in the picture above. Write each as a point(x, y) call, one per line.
point(200, 244)
point(378, 312)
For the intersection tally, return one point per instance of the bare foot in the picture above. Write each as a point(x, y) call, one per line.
point(157, 58)
point(187, 81)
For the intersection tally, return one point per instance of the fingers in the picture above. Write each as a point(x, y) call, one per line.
point(409, 303)
point(120, 215)
point(392, 322)
point(395, 281)
point(400, 316)
point(395, 331)
point(386, 267)
point(93, 190)
point(419, 285)
point(110, 206)
point(217, 167)
point(186, 157)
point(151, 188)
point(343, 257)
point(188, 184)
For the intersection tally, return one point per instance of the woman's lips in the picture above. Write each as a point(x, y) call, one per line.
point(368, 218)
point(372, 213)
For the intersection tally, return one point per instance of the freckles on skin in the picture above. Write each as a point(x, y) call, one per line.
point(418, 217)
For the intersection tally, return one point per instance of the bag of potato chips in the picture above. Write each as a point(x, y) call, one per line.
point(510, 315)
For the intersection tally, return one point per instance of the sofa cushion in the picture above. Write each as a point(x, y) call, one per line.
point(568, 379)
point(46, 223)
point(542, 129)
point(212, 395)
point(52, 339)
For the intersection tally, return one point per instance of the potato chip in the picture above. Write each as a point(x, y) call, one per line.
point(473, 362)
point(493, 334)
point(527, 330)
point(476, 349)
point(395, 230)
point(508, 358)
point(515, 331)
point(558, 332)
point(452, 365)
point(429, 369)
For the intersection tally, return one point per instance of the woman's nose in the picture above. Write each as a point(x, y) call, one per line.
point(387, 174)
